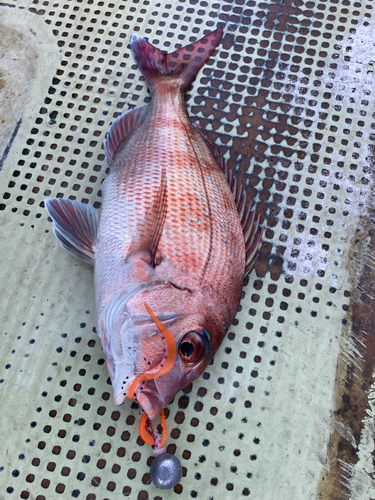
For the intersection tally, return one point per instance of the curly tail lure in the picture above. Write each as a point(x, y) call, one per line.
point(166, 364)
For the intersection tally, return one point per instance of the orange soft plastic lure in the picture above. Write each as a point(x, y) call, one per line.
point(166, 364)
point(145, 426)
point(168, 361)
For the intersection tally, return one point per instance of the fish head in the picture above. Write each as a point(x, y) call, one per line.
point(193, 352)
point(138, 349)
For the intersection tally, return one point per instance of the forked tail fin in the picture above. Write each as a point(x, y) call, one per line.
point(181, 65)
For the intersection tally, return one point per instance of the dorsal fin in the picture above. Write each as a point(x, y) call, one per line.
point(250, 226)
point(120, 128)
point(223, 164)
point(252, 236)
point(75, 225)
point(212, 147)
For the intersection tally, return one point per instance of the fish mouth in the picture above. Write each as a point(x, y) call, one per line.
point(150, 399)
point(119, 398)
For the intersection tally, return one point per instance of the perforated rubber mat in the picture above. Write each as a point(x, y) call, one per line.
point(286, 411)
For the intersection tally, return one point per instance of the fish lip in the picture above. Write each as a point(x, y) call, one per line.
point(119, 398)
point(150, 399)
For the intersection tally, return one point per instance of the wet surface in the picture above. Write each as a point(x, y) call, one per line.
point(18, 66)
point(355, 374)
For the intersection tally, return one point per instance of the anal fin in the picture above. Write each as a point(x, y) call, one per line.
point(75, 225)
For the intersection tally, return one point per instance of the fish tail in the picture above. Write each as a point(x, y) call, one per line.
point(180, 66)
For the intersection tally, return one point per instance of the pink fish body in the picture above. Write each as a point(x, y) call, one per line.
point(171, 236)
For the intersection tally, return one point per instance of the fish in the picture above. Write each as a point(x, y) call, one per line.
point(174, 241)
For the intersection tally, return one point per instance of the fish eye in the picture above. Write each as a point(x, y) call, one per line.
point(192, 347)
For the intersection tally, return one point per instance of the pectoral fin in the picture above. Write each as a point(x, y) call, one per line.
point(152, 227)
point(75, 226)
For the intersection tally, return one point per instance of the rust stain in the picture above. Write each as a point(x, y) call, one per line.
point(355, 376)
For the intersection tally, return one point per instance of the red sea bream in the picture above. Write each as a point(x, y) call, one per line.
point(175, 237)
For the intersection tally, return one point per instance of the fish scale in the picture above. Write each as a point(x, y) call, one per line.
point(170, 244)
point(186, 194)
